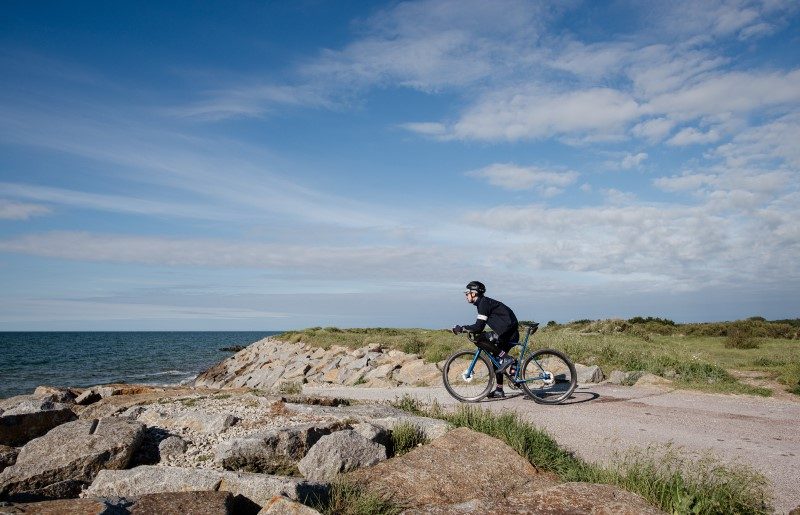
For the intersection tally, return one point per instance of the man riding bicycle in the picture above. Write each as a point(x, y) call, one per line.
point(504, 325)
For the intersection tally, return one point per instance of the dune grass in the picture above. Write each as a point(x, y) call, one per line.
point(694, 356)
point(662, 475)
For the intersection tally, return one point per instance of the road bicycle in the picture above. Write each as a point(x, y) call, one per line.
point(547, 376)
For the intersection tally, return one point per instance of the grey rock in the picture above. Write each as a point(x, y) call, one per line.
point(418, 373)
point(617, 377)
point(89, 396)
point(67, 458)
point(8, 456)
point(272, 451)
point(171, 446)
point(19, 425)
point(340, 452)
point(148, 479)
point(383, 416)
point(280, 505)
point(61, 507)
point(588, 374)
point(373, 433)
point(184, 503)
point(199, 421)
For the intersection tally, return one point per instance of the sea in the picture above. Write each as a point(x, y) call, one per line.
point(30, 359)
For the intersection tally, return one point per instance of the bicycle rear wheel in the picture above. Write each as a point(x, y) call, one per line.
point(466, 388)
point(549, 376)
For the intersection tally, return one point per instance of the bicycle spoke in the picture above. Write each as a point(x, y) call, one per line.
point(462, 385)
point(549, 376)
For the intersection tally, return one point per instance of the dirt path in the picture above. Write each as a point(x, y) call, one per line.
point(602, 419)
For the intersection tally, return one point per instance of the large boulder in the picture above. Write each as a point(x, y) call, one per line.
point(67, 458)
point(588, 374)
point(184, 503)
point(273, 451)
point(28, 418)
point(340, 452)
point(280, 505)
point(452, 469)
point(583, 498)
point(60, 507)
point(148, 479)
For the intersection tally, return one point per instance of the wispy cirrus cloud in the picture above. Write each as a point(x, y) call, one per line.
point(13, 210)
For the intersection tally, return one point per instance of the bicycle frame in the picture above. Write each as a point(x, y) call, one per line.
point(516, 379)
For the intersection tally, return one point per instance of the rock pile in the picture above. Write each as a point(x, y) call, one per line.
point(273, 365)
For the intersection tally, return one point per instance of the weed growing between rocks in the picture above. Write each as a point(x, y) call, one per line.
point(662, 476)
point(348, 499)
point(405, 437)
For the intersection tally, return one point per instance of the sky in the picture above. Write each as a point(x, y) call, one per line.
point(276, 165)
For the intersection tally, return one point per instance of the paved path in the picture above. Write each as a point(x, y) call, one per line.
point(601, 419)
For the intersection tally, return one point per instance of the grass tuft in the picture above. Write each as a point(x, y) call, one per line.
point(405, 437)
point(349, 499)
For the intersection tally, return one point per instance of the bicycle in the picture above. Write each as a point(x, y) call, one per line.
point(547, 376)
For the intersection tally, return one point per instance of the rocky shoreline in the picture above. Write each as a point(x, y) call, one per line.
point(239, 440)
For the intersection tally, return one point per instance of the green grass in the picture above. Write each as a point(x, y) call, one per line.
point(661, 475)
point(349, 499)
point(405, 437)
point(694, 356)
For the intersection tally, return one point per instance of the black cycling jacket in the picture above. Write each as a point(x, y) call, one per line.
point(496, 315)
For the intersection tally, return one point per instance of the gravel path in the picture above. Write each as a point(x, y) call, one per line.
point(602, 419)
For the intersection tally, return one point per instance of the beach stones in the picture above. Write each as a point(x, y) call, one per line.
point(67, 458)
point(339, 452)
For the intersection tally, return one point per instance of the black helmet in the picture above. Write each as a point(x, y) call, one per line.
point(477, 287)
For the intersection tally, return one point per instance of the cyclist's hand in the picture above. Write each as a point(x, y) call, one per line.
point(457, 329)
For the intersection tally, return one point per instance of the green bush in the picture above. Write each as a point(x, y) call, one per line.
point(740, 336)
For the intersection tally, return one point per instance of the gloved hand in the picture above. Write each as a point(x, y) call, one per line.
point(457, 329)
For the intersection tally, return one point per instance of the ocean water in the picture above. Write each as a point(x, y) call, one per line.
point(30, 359)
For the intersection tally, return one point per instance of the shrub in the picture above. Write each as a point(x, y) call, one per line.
point(740, 336)
point(413, 345)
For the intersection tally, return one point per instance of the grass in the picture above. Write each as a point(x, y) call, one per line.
point(405, 437)
point(349, 499)
point(659, 474)
point(694, 356)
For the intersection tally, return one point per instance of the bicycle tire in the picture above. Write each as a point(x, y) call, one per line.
point(465, 390)
point(560, 383)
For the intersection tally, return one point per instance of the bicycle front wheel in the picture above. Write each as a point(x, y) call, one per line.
point(548, 376)
point(460, 383)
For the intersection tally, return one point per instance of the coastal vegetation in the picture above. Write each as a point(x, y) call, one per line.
point(702, 356)
point(662, 475)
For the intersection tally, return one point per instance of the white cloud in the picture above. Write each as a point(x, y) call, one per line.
point(426, 128)
point(692, 136)
point(11, 210)
point(633, 160)
point(732, 92)
point(515, 114)
point(513, 177)
point(654, 129)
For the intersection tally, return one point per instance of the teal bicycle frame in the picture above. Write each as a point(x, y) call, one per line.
point(516, 379)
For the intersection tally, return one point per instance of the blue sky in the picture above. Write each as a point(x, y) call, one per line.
point(274, 165)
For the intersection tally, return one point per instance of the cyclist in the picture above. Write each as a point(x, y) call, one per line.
point(504, 326)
